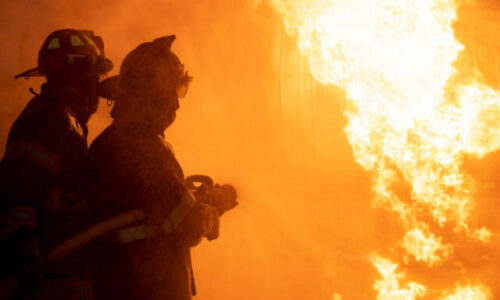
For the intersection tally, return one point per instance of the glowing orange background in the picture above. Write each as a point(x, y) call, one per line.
point(255, 118)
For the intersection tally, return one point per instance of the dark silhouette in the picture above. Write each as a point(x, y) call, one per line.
point(44, 174)
point(136, 171)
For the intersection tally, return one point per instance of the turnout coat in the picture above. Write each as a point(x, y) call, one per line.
point(44, 180)
point(136, 169)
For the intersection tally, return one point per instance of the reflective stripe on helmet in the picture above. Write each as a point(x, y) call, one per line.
point(65, 42)
point(35, 153)
point(91, 42)
point(76, 41)
point(54, 44)
point(179, 212)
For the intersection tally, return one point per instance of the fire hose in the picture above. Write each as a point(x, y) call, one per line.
point(222, 197)
point(95, 232)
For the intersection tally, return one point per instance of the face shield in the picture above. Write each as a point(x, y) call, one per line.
point(182, 89)
point(183, 86)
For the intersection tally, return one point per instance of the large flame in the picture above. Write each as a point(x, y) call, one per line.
point(411, 118)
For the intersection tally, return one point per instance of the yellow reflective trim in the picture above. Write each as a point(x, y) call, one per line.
point(54, 44)
point(179, 212)
point(91, 42)
point(76, 41)
point(37, 154)
point(135, 233)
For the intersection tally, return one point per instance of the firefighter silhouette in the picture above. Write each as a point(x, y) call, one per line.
point(139, 183)
point(44, 174)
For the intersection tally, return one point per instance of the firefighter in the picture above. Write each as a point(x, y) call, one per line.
point(44, 174)
point(137, 170)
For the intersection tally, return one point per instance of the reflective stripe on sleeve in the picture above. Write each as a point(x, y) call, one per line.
point(179, 212)
point(37, 154)
point(135, 233)
point(173, 220)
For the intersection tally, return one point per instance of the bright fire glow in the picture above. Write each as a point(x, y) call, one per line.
point(477, 292)
point(424, 246)
point(389, 287)
point(409, 119)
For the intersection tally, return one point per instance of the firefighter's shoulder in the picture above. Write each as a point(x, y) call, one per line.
point(43, 121)
point(39, 134)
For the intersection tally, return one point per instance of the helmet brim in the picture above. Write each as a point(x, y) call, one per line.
point(106, 66)
point(109, 88)
point(35, 72)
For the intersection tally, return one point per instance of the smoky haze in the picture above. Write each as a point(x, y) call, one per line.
point(253, 117)
point(303, 221)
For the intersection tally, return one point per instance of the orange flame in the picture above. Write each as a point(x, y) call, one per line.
point(478, 292)
point(408, 121)
point(389, 287)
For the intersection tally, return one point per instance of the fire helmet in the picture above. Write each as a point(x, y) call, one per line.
point(147, 71)
point(68, 49)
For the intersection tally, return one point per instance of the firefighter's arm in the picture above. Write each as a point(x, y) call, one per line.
point(27, 180)
point(31, 168)
point(190, 221)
